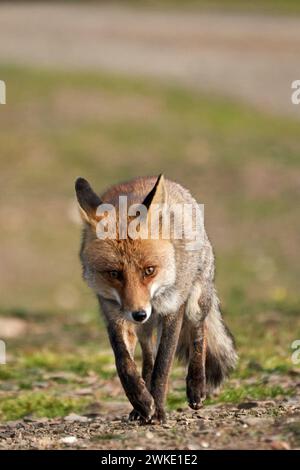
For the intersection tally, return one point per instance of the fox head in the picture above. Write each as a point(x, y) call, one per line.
point(128, 272)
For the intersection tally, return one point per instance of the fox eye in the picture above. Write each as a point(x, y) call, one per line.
point(149, 271)
point(115, 274)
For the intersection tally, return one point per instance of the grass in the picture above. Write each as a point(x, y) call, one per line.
point(176, 400)
point(40, 404)
point(252, 6)
point(243, 164)
point(49, 361)
point(250, 392)
point(32, 367)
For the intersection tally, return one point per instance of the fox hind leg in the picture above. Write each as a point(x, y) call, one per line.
point(196, 376)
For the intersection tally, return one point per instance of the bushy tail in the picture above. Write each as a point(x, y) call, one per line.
point(221, 356)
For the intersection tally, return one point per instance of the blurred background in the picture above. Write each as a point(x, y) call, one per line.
point(198, 90)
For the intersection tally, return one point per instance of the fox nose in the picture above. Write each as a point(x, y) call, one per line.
point(139, 315)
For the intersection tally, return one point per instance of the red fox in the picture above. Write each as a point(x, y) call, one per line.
point(146, 285)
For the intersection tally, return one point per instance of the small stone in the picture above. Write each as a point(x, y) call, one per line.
point(68, 440)
point(269, 403)
point(34, 419)
point(84, 391)
point(44, 443)
point(280, 445)
point(73, 418)
point(204, 444)
point(192, 447)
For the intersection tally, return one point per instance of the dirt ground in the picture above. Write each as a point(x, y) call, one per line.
point(249, 57)
point(249, 425)
point(37, 385)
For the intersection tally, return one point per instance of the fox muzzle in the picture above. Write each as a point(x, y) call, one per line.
point(140, 315)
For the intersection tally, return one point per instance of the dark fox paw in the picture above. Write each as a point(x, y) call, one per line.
point(143, 407)
point(159, 417)
point(134, 415)
point(195, 405)
point(196, 394)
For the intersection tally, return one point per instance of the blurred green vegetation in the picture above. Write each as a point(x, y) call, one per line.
point(242, 164)
point(251, 6)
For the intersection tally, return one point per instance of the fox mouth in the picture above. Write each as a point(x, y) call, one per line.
point(140, 322)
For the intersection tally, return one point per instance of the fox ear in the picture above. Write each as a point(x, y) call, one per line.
point(88, 201)
point(158, 194)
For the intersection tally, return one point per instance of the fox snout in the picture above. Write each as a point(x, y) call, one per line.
point(140, 315)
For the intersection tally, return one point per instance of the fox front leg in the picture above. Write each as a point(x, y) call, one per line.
point(171, 326)
point(133, 384)
point(145, 336)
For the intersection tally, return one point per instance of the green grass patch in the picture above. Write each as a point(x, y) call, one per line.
point(245, 6)
point(49, 361)
point(229, 394)
point(42, 367)
point(88, 124)
point(250, 392)
point(40, 405)
point(176, 400)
